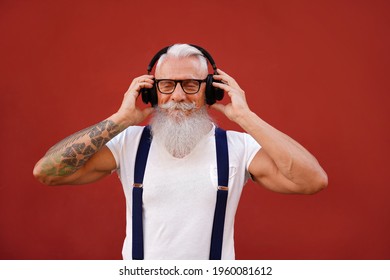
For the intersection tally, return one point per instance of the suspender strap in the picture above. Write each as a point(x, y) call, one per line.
point(222, 194)
point(139, 171)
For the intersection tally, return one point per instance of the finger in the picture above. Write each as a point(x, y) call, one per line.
point(147, 80)
point(218, 77)
point(218, 107)
point(147, 111)
point(219, 71)
point(143, 77)
point(141, 86)
point(225, 87)
point(225, 78)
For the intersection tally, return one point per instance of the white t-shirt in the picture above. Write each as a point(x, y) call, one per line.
point(179, 195)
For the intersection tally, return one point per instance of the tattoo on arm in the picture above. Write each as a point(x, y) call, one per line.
point(67, 156)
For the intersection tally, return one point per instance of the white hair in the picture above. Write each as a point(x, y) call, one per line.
point(184, 50)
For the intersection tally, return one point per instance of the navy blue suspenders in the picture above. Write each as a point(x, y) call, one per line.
point(220, 206)
point(222, 193)
point(139, 171)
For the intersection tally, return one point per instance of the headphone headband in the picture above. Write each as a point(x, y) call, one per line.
point(165, 50)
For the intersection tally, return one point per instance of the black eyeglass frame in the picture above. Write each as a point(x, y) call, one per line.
point(157, 81)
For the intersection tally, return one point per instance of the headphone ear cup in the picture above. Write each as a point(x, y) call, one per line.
point(212, 93)
point(153, 96)
point(219, 93)
point(210, 90)
point(149, 95)
point(145, 95)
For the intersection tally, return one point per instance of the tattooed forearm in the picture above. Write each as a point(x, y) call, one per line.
point(70, 154)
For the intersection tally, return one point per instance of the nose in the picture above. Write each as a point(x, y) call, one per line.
point(178, 95)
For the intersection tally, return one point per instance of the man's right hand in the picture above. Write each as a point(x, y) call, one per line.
point(129, 113)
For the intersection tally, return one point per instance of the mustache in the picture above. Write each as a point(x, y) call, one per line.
point(184, 106)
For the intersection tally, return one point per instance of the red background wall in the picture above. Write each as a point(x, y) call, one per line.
point(317, 70)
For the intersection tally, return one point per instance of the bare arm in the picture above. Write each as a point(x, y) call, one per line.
point(61, 163)
point(282, 165)
point(82, 157)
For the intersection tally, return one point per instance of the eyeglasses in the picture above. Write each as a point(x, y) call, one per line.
point(190, 86)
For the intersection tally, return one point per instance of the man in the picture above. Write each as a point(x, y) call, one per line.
point(180, 182)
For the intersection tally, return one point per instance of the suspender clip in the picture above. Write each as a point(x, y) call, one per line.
point(137, 185)
point(223, 188)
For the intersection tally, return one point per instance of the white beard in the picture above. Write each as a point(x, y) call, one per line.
point(180, 127)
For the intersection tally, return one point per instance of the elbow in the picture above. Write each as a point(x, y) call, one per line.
point(324, 181)
point(318, 183)
point(42, 177)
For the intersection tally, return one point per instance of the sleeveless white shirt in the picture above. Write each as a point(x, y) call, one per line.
point(179, 195)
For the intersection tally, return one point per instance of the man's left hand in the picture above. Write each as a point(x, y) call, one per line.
point(238, 106)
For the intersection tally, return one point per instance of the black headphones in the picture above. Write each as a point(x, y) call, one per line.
point(212, 93)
